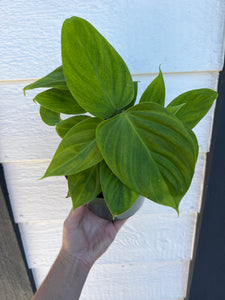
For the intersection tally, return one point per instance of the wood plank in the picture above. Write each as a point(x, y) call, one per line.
point(25, 137)
point(36, 200)
point(183, 42)
point(144, 281)
point(142, 239)
point(209, 268)
point(14, 281)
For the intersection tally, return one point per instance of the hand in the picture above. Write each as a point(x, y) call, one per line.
point(86, 236)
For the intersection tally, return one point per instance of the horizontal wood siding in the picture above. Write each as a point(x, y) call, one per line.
point(152, 238)
point(138, 281)
point(150, 257)
point(183, 36)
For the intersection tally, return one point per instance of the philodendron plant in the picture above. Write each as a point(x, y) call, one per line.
point(119, 149)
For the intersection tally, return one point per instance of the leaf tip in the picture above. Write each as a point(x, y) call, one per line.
point(216, 94)
point(177, 210)
point(113, 217)
point(68, 195)
point(44, 176)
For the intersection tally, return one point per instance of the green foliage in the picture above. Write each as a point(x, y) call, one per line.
point(155, 92)
point(64, 126)
point(134, 98)
point(119, 198)
point(84, 186)
point(60, 101)
point(151, 152)
point(175, 109)
point(197, 103)
point(77, 151)
point(97, 76)
point(54, 79)
point(125, 150)
point(49, 117)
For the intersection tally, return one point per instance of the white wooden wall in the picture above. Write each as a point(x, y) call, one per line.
point(150, 257)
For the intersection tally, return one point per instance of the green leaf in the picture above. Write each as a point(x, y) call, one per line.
point(155, 92)
point(134, 98)
point(84, 186)
point(54, 79)
point(49, 117)
point(118, 197)
point(150, 151)
point(175, 109)
point(96, 75)
point(77, 151)
point(60, 101)
point(198, 102)
point(64, 126)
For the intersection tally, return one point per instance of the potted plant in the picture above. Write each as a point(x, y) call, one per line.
point(119, 150)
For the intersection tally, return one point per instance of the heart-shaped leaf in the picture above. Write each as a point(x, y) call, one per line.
point(64, 126)
point(49, 117)
point(197, 103)
point(77, 151)
point(60, 101)
point(54, 79)
point(96, 75)
point(118, 197)
point(84, 186)
point(155, 92)
point(150, 151)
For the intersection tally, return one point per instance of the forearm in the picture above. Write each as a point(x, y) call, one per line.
point(65, 280)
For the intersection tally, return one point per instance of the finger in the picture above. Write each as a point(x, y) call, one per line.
point(119, 224)
point(75, 215)
point(79, 211)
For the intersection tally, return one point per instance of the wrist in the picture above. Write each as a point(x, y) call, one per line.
point(65, 279)
point(71, 260)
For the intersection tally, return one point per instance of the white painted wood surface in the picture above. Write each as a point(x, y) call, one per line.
point(157, 237)
point(150, 257)
point(138, 281)
point(184, 36)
